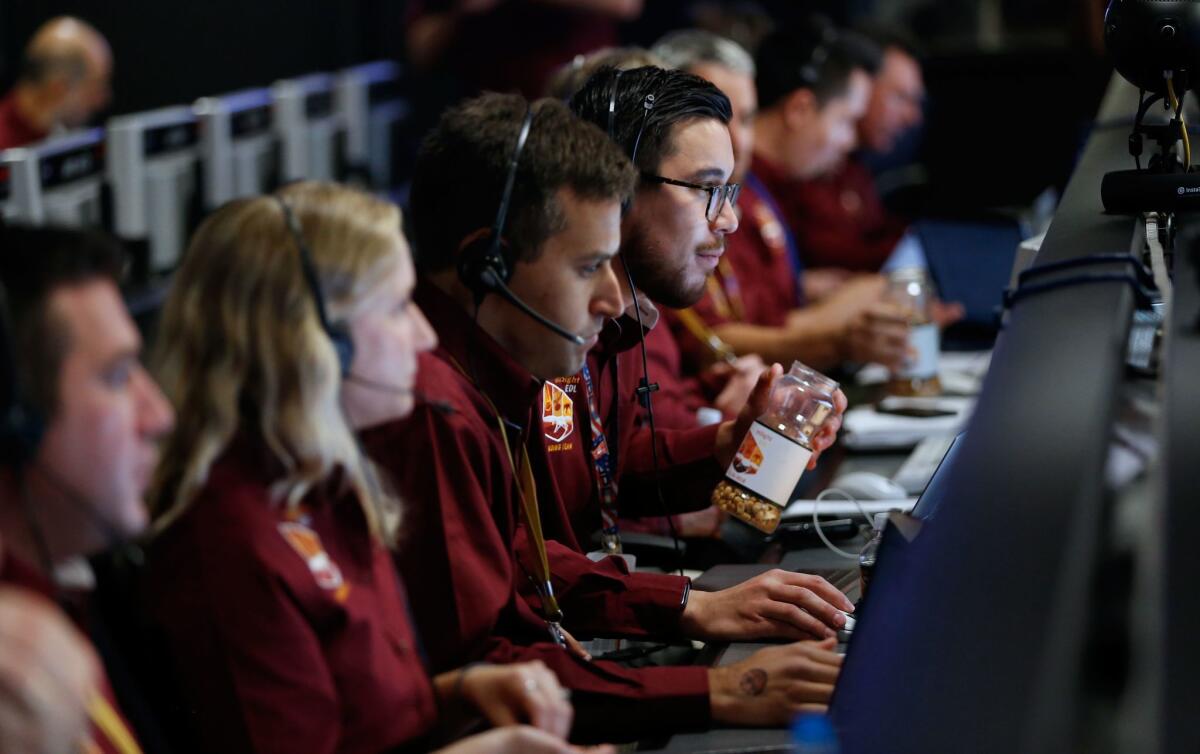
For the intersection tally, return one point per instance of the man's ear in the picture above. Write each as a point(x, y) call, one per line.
point(472, 237)
point(799, 108)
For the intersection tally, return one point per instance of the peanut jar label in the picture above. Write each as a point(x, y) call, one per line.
point(768, 464)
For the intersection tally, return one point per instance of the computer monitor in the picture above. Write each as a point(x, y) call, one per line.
point(971, 262)
point(973, 638)
point(369, 100)
point(152, 166)
point(934, 494)
point(1166, 654)
point(310, 128)
point(59, 181)
point(239, 150)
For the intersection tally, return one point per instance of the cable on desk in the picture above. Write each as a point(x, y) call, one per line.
point(1144, 275)
point(1144, 297)
point(817, 522)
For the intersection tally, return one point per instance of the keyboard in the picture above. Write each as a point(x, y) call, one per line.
point(916, 471)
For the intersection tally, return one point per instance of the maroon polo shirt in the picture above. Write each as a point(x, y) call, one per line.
point(289, 629)
point(468, 561)
point(15, 131)
point(687, 470)
point(838, 220)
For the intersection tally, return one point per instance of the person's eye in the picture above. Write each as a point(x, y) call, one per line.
point(118, 376)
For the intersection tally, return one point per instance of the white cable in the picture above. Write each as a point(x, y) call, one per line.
point(1158, 258)
point(849, 498)
point(817, 522)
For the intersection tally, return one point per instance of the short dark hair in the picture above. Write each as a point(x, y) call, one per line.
point(889, 37)
point(462, 164)
point(36, 262)
point(678, 97)
point(813, 55)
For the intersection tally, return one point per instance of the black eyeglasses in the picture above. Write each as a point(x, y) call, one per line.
point(717, 195)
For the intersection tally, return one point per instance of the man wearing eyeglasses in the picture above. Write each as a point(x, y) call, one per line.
point(755, 302)
point(675, 128)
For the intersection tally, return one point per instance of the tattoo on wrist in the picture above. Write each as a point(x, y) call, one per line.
point(754, 682)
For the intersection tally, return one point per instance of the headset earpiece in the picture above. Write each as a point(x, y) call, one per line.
point(339, 335)
point(22, 424)
point(482, 260)
point(483, 257)
point(343, 345)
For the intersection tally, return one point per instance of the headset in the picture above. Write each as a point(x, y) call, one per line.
point(23, 423)
point(21, 432)
point(339, 335)
point(483, 263)
point(647, 106)
point(645, 388)
point(810, 72)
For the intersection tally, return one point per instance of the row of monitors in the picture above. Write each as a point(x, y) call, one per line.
point(167, 167)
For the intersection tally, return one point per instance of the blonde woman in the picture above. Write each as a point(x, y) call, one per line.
point(289, 328)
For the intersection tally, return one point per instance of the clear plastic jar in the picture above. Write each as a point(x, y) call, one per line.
point(774, 453)
point(911, 289)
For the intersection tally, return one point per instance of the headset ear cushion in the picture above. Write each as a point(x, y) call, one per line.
point(343, 344)
point(22, 433)
point(479, 256)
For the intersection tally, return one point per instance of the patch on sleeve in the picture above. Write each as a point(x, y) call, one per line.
point(558, 413)
point(307, 544)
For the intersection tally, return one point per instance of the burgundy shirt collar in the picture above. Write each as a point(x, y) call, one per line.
point(15, 131)
point(509, 385)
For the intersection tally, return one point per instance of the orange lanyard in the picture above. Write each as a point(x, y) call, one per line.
point(108, 721)
point(703, 333)
point(527, 492)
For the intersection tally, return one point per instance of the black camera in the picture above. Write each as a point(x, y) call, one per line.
point(1147, 38)
point(1155, 45)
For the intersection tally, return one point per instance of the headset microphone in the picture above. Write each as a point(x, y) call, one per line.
point(498, 287)
point(442, 407)
point(484, 265)
point(339, 335)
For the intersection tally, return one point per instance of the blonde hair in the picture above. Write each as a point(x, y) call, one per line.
point(241, 348)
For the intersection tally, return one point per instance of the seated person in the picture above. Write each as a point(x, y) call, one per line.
point(289, 327)
point(63, 82)
point(754, 301)
point(81, 420)
point(813, 83)
point(889, 133)
point(682, 401)
point(486, 577)
point(839, 218)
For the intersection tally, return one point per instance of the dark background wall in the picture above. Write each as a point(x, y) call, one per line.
point(1006, 123)
point(173, 51)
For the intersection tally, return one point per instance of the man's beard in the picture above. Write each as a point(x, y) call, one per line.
point(655, 276)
